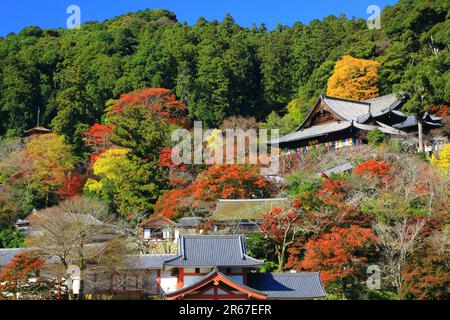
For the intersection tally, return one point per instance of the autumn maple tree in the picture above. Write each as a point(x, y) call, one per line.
point(98, 137)
point(282, 226)
point(160, 100)
point(355, 79)
point(377, 171)
point(426, 273)
point(15, 278)
point(337, 254)
point(216, 182)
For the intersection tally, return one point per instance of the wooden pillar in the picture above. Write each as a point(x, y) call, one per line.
point(180, 283)
point(158, 282)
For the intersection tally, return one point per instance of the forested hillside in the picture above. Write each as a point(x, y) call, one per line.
point(217, 69)
point(114, 91)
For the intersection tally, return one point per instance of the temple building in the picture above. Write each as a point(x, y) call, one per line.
point(36, 131)
point(203, 268)
point(237, 216)
point(219, 268)
point(335, 123)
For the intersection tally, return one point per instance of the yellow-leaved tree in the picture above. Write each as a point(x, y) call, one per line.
point(46, 163)
point(355, 79)
point(442, 161)
point(109, 169)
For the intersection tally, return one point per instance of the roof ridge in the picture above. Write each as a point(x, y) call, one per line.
point(326, 124)
point(213, 236)
point(295, 273)
point(380, 97)
point(215, 271)
point(347, 100)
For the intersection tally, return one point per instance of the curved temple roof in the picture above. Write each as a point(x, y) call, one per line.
point(216, 277)
point(208, 251)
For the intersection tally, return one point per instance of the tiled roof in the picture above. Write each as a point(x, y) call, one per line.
point(38, 129)
point(158, 222)
point(6, 255)
point(189, 222)
point(345, 167)
point(348, 109)
point(382, 127)
point(411, 121)
point(213, 251)
point(314, 131)
point(249, 209)
point(303, 285)
point(149, 261)
point(383, 104)
point(211, 275)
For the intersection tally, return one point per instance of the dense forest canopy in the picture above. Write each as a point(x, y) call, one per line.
point(217, 69)
point(114, 91)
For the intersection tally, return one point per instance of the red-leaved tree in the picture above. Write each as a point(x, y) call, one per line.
point(337, 254)
point(160, 100)
point(15, 276)
point(282, 227)
point(216, 182)
point(98, 137)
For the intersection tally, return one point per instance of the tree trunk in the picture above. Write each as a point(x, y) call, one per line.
point(420, 131)
point(281, 259)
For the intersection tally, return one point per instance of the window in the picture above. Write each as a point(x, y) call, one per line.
point(147, 233)
point(166, 233)
point(197, 270)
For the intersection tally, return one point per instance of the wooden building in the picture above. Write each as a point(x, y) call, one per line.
point(38, 130)
point(218, 268)
point(158, 228)
point(242, 215)
point(334, 123)
point(204, 268)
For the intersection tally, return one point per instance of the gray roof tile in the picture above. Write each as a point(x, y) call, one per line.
point(149, 261)
point(6, 255)
point(212, 274)
point(189, 222)
point(213, 251)
point(303, 285)
point(348, 109)
point(382, 105)
point(314, 131)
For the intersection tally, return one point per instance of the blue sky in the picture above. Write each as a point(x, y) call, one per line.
point(16, 14)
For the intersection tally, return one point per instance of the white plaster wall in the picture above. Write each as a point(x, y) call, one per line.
point(168, 282)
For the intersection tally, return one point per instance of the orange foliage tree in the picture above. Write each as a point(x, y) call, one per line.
point(97, 136)
point(282, 226)
point(354, 78)
point(221, 181)
point(378, 171)
point(337, 254)
point(426, 273)
point(72, 186)
point(160, 100)
point(170, 204)
point(15, 276)
point(227, 181)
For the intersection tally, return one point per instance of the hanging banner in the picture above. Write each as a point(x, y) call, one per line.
point(338, 144)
